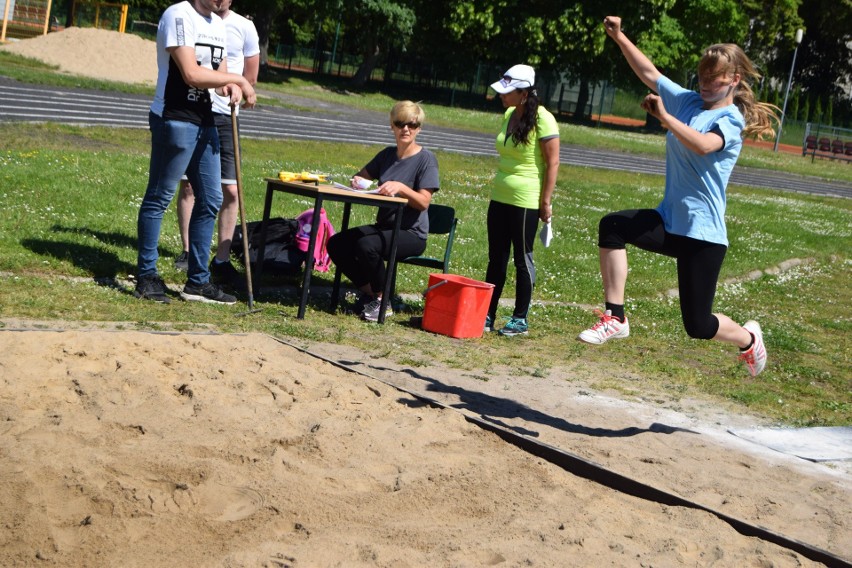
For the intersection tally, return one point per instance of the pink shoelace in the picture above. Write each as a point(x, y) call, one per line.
point(604, 321)
point(748, 356)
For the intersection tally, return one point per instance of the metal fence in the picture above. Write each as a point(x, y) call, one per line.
point(559, 95)
point(21, 19)
point(824, 141)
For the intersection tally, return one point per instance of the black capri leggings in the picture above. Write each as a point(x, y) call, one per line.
point(698, 262)
point(511, 229)
point(360, 252)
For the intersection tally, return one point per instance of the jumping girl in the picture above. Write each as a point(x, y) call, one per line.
point(704, 139)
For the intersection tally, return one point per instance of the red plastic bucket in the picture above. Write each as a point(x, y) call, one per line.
point(456, 306)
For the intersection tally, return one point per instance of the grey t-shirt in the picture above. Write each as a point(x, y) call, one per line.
point(419, 171)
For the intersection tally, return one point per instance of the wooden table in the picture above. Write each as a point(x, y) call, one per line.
point(320, 192)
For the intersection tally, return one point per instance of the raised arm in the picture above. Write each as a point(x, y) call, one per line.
point(641, 65)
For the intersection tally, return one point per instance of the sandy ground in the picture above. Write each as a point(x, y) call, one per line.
point(142, 449)
point(122, 448)
point(100, 54)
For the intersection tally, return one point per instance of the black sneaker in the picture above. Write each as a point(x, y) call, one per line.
point(208, 293)
point(151, 288)
point(226, 275)
point(182, 262)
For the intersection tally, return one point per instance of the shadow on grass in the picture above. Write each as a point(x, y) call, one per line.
point(286, 289)
point(109, 238)
point(98, 263)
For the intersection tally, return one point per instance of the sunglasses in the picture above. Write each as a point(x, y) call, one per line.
point(507, 80)
point(411, 125)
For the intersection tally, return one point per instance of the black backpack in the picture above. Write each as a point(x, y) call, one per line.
point(281, 255)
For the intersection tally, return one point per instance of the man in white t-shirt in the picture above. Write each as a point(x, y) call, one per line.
point(244, 59)
point(191, 51)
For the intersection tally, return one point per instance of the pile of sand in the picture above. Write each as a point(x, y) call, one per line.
point(90, 52)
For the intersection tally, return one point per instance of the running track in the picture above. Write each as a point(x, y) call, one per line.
point(34, 103)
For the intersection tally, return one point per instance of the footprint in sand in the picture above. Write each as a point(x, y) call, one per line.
point(227, 503)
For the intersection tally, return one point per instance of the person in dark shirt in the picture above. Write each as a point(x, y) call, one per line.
point(406, 170)
point(191, 50)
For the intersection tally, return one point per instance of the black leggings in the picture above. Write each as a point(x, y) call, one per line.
point(360, 253)
point(511, 227)
point(698, 262)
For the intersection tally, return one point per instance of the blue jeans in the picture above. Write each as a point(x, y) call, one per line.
point(178, 147)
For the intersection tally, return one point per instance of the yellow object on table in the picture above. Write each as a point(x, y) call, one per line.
point(301, 176)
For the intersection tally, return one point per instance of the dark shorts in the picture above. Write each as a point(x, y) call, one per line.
point(226, 147)
point(698, 262)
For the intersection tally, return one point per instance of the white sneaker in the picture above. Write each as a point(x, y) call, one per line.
point(755, 357)
point(608, 327)
point(371, 310)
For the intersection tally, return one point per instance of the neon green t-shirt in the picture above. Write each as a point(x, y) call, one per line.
point(521, 169)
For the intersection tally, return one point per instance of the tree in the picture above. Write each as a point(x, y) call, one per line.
point(467, 30)
point(772, 24)
point(817, 115)
point(379, 25)
point(805, 112)
point(263, 13)
point(295, 22)
point(824, 61)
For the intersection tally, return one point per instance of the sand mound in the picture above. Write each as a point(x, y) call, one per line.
point(100, 54)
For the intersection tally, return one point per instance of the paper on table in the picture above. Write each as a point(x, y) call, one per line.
point(346, 187)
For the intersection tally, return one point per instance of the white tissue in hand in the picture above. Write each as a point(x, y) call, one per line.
point(546, 234)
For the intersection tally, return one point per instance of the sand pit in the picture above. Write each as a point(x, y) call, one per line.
point(143, 449)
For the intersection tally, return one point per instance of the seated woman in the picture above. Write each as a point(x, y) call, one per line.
point(406, 170)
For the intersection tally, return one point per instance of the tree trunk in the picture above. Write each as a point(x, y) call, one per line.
point(366, 68)
point(582, 101)
point(261, 22)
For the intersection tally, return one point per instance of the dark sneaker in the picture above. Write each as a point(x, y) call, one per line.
point(515, 326)
point(371, 310)
point(208, 293)
point(182, 262)
point(151, 288)
point(489, 325)
point(226, 275)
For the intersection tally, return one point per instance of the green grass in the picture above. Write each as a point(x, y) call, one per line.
point(70, 197)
